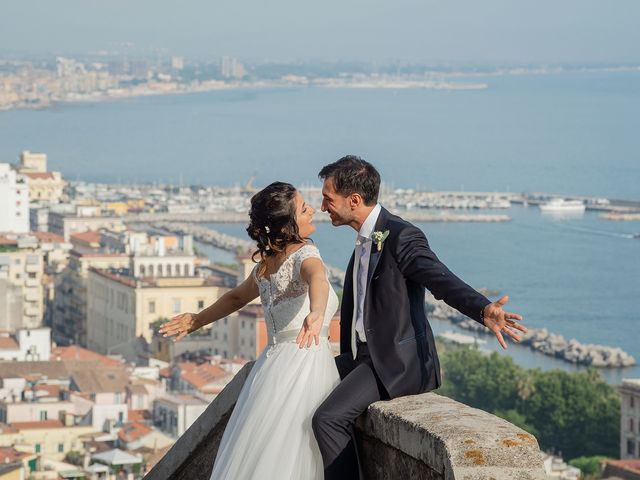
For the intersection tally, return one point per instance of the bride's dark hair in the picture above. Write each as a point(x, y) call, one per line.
point(272, 219)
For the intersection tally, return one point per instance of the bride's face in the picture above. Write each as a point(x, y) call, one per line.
point(304, 217)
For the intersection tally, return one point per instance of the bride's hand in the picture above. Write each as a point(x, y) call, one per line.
point(310, 330)
point(180, 325)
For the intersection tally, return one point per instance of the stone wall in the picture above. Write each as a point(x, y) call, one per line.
point(423, 436)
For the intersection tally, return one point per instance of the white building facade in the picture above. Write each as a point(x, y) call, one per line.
point(630, 419)
point(14, 198)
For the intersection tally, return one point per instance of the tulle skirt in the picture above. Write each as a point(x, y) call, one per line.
point(269, 434)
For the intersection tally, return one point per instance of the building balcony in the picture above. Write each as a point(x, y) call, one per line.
point(32, 295)
point(32, 268)
point(32, 311)
point(32, 282)
point(421, 436)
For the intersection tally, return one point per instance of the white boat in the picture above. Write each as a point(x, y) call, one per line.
point(562, 205)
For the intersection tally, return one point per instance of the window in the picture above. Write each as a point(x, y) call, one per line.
point(224, 337)
point(215, 335)
point(631, 402)
point(226, 321)
point(631, 424)
point(631, 447)
point(177, 305)
point(152, 306)
point(200, 304)
point(32, 275)
point(243, 323)
point(43, 415)
point(60, 447)
point(38, 448)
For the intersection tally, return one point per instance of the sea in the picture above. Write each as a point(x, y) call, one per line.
point(570, 133)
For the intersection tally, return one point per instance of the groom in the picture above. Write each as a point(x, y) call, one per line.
point(386, 344)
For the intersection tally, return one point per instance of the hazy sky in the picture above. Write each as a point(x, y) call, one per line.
point(411, 30)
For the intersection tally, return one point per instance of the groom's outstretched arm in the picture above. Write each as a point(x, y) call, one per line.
point(419, 263)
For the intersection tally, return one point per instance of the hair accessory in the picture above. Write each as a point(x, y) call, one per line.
point(267, 229)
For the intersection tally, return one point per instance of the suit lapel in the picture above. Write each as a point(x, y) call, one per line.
point(347, 290)
point(374, 257)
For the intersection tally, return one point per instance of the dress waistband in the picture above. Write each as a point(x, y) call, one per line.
point(291, 335)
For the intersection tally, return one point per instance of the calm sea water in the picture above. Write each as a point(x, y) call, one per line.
point(567, 133)
point(573, 134)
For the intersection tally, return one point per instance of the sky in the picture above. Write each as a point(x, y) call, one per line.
point(467, 31)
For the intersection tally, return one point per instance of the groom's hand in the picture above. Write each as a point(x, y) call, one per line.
point(499, 321)
point(310, 330)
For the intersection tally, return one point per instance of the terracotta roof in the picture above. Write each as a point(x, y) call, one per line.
point(165, 372)
point(10, 454)
point(36, 370)
point(48, 237)
point(133, 431)
point(631, 465)
point(36, 425)
point(90, 236)
point(7, 241)
point(139, 415)
point(39, 175)
point(8, 343)
point(76, 352)
point(101, 380)
point(201, 375)
point(51, 390)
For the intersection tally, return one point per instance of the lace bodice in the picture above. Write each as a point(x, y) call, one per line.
point(285, 295)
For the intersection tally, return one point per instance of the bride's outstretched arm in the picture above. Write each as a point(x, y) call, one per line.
point(313, 273)
point(186, 323)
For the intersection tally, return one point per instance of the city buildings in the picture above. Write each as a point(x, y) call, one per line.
point(14, 198)
point(43, 185)
point(630, 419)
point(174, 414)
point(69, 316)
point(122, 307)
point(80, 218)
point(26, 345)
point(21, 291)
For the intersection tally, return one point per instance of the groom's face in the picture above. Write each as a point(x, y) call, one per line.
point(338, 207)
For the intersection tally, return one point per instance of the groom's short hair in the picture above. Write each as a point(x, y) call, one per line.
point(352, 174)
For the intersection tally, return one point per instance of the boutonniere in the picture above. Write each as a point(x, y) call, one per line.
point(379, 237)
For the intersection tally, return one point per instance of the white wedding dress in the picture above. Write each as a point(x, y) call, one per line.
point(269, 434)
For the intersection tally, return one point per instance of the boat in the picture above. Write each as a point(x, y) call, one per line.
point(562, 205)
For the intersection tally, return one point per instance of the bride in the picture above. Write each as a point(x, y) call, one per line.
point(269, 434)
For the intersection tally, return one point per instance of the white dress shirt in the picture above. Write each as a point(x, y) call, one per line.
point(360, 273)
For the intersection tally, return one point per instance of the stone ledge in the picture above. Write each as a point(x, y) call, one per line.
point(449, 439)
point(422, 436)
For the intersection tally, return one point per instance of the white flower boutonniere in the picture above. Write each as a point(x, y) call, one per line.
point(379, 237)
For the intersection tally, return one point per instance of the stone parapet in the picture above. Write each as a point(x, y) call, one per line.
point(422, 436)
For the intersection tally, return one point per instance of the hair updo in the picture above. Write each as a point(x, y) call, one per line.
point(272, 219)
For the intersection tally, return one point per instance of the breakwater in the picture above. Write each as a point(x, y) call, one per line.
point(543, 341)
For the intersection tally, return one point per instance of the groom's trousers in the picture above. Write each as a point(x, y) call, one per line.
point(334, 421)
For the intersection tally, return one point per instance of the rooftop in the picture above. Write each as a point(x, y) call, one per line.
point(134, 431)
point(101, 380)
point(48, 237)
point(77, 353)
point(43, 424)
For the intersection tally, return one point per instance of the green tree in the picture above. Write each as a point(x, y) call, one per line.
point(575, 413)
point(74, 457)
point(588, 465)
